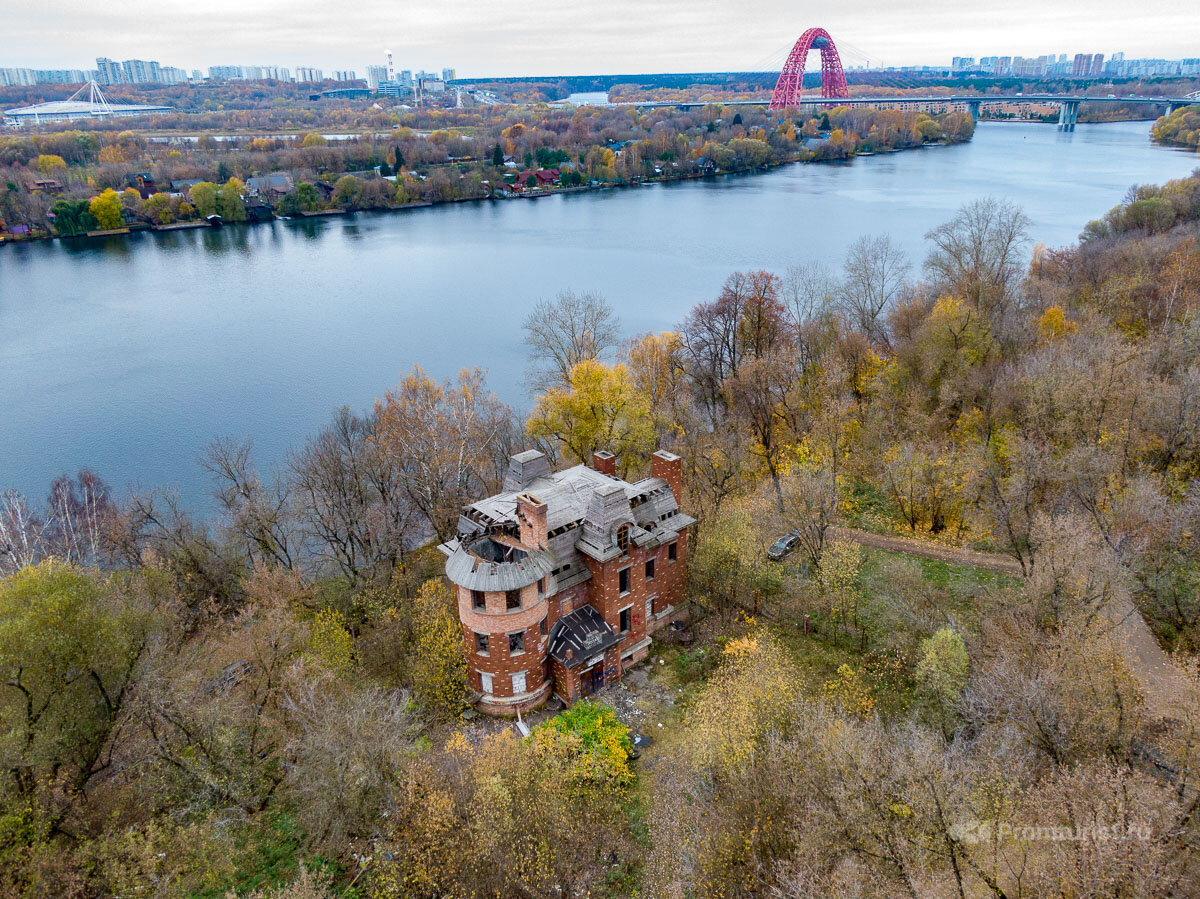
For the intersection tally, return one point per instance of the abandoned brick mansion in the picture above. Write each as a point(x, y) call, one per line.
point(563, 577)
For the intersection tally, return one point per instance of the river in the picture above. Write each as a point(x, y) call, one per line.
point(128, 355)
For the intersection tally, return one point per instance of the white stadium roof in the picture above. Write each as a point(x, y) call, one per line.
point(95, 106)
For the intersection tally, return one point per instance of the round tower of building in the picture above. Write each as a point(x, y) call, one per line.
point(501, 582)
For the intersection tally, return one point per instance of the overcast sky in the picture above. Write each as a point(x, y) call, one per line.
point(520, 37)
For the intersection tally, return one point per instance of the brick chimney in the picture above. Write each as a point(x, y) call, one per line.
point(669, 467)
point(604, 462)
point(531, 516)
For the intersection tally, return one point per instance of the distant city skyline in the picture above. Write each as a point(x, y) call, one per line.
point(110, 72)
point(614, 37)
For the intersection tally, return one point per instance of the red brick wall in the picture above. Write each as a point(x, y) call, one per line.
point(531, 520)
point(566, 681)
point(498, 623)
point(669, 467)
point(669, 577)
point(604, 593)
point(604, 462)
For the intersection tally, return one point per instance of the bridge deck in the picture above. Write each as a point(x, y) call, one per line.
point(816, 100)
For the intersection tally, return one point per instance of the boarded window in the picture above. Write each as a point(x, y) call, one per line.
point(518, 682)
point(486, 680)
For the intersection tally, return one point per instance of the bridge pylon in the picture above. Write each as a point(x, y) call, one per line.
point(1068, 114)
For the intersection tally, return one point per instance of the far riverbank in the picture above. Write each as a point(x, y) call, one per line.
point(527, 194)
point(130, 354)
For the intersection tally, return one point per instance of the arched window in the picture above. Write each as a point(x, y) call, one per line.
point(623, 538)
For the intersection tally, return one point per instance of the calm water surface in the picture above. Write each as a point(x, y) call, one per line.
point(130, 355)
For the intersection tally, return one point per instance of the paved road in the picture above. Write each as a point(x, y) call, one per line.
point(1165, 685)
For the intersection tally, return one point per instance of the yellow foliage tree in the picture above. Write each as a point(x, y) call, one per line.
point(599, 408)
point(838, 574)
point(112, 155)
point(849, 692)
point(658, 373)
point(1053, 324)
point(47, 163)
point(106, 209)
point(437, 665)
point(331, 642)
point(751, 693)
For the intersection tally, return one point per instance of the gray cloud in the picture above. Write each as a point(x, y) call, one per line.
point(490, 37)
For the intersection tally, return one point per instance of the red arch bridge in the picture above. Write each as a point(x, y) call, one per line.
point(834, 90)
point(790, 87)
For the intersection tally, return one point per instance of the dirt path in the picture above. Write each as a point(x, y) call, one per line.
point(927, 550)
point(1164, 684)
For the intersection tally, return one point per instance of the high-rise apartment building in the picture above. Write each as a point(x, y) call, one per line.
point(109, 71)
point(141, 71)
point(376, 75)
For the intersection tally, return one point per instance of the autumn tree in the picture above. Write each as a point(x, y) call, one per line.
point(204, 197)
point(350, 502)
point(654, 362)
point(599, 408)
point(349, 740)
point(977, 255)
point(560, 334)
point(49, 162)
point(438, 669)
point(69, 649)
point(443, 439)
point(875, 272)
point(728, 570)
point(106, 210)
point(942, 674)
point(810, 496)
point(258, 514)
point(229, 201)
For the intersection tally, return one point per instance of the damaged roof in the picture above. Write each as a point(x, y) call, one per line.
point(581, 636)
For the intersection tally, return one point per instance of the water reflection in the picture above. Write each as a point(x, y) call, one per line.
point(130, 354)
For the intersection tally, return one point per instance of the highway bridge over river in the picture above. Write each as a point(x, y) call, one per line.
point(1068, 104)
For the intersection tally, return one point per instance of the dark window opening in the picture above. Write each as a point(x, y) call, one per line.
point(516, 643)
point(623, 580)
point(481, 642)
point(624, 621)
point(542, 627)
point(672, 549)
point(649, 569)
point(512, 599)
point(478, 600)
point(541, 588)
